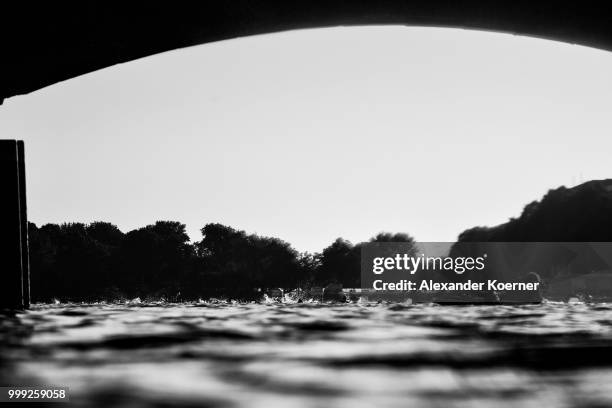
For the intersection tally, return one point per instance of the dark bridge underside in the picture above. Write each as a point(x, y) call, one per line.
point(45, 43)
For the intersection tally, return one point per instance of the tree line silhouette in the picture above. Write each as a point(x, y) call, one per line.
point(85, 262)
point(97, 261)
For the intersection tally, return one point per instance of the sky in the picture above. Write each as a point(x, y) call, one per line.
point(310, 135)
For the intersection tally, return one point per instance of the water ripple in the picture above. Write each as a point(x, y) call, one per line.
point(310, 354)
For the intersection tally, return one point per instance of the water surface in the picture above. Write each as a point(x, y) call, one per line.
point(314, 355)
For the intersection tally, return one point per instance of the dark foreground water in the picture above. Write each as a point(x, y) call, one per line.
point(314, 355)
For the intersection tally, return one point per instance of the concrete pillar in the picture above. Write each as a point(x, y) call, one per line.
point(14, 273)
point(23, 210)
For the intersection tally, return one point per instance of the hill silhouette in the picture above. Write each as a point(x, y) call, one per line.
point(579, 214)
point(567, 215)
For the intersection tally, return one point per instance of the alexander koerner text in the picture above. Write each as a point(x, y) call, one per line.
point(430, 285)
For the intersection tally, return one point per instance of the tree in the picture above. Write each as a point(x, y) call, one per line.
point(156, 259)
point(68, 262)
point(238, 262)
point(341, 261)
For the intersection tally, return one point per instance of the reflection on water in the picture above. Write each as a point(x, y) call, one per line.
point(314, 355)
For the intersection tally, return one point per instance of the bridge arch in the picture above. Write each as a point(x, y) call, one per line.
point(55, 41)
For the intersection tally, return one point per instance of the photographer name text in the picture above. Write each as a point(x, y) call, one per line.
point(430, 285)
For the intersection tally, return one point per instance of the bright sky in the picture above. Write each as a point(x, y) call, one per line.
point(315, 134)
